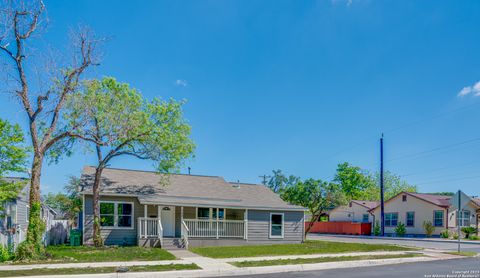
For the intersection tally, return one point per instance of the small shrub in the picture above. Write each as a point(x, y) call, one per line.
point(473, 237)
point(5, 254)
point(429, 228)
point(400, 230)
point(27, 251)
point(376, 229)
point(469, 231)
point(455, 236)
point(445, 234)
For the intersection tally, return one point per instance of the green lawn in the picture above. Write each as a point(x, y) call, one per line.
point(95, 270)
point(320, 260)
point(463, 253)
point(72, 254)
point(309, 247)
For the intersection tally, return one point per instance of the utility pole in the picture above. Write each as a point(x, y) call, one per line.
point(264, 177)
point(382, 208)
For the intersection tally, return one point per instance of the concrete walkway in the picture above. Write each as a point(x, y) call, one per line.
point(205, 263)
point(217, 270)
point(421, 239)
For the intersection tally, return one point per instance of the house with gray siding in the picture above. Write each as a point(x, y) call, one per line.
point(176, 211)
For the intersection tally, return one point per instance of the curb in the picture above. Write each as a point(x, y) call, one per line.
point(397, 238)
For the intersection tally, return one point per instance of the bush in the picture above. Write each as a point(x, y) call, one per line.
point(5, 254)
point(473, 237)
point(27, 251)
point(376, 229)
point(429, 228)
point(455, 236)
point(468, 231)
point(445, 234)
point(400, 230)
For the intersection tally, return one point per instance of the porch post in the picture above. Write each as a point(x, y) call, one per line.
point(145, 220)
point(159, 219)
point(245, 219)
point(217, 222)
point(181, 221)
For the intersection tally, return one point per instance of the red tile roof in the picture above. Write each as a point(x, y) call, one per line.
point(439, 200)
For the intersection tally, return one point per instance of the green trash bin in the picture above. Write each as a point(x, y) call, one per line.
point(75, 238)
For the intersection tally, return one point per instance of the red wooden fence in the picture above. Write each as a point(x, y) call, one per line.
point(347, 228)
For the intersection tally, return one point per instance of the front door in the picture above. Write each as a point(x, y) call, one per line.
point(168, 221)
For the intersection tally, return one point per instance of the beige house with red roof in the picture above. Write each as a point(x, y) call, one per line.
point(412, 209)
point(355, 211)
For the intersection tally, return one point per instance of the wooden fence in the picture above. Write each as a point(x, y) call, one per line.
point(347, 228)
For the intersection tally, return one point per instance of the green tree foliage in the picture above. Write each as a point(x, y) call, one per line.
point(315, 195)
point(13, 155)
point(361, 185)
point(354, 182)
point(280, 181)
point(377, 229)
point(117, 121)
point(68, 202)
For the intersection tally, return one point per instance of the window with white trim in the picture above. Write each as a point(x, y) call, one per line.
point(464, 218)
point(410, 218)
point(365, 218)
point(116, 214)
point(391, 219)
point(438, 218)
point(276, 225)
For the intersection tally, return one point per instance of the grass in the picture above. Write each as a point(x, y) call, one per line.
point(309, 247)
point(462, 253)
point(321, 260)
point(95, 270)
point(77, 254)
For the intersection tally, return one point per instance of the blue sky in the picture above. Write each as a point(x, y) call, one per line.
point(297, 85)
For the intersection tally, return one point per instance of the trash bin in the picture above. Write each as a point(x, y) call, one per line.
point(75, 237)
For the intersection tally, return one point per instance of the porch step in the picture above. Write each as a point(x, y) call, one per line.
point(170, 243)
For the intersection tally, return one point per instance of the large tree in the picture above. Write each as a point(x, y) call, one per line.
point(118, 121)
point(279, 181)
point(316, 195)
point(67, 202)
point(42, 102)
point(354, 182)
point(13, 155)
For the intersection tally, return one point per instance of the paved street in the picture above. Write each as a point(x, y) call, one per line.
point(421, 244)
point(410, 270)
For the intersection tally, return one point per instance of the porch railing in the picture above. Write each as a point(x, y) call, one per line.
point(184, 234)
point(150, 228)
point(212, 228)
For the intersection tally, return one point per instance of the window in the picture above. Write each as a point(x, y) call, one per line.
point(404, 198)
point(276, 225)
point(391, 219)
point(365, 218)
point(221, 213)
point(203, 213)
point(464, 218)
point(116, 214)
point(410, 219)
point(438, 218)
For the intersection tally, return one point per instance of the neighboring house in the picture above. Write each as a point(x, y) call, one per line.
point(14, 217)
point(413, 209)
point(355, 211)
point(175, 210)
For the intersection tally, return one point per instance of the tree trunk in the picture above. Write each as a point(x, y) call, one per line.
point(36, 226)
point(314, 219)
point(97, 237)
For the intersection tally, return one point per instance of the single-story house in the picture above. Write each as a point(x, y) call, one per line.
point(355, 211)
point(413, 209)
point(176, 210)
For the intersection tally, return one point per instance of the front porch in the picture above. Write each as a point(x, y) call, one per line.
point(165, 226)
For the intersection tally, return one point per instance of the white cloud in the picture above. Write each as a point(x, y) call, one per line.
point(474, 89)
point(181, 82)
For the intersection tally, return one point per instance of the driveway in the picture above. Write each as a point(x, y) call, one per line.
point(414, 243)
point(411, 270)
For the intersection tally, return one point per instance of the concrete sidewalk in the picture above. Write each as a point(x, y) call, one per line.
point(462, 241)
point(219, 271)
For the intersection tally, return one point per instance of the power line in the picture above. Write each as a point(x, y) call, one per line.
point(435, 149)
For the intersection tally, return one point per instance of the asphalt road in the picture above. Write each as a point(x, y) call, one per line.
point(434, 269)
point(421, 244)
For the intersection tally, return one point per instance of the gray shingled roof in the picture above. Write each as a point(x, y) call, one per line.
point(186, 190)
